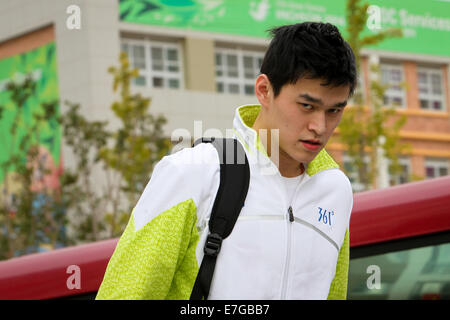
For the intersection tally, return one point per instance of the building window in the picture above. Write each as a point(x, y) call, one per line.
point(352, 172)
point(431, 92)
point(159, 63)
point(435, 168)
point(404, 173)
point(392, 75)
point(236, 70)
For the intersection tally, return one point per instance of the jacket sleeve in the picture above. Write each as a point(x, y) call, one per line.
point(155, 257)
point(338, 288)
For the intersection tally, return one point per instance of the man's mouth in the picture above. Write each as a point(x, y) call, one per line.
point(312, 145)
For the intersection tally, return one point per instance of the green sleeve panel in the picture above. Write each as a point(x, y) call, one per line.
point(338, 288)
point(157, 261)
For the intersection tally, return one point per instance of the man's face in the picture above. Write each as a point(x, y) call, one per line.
point(306, 114)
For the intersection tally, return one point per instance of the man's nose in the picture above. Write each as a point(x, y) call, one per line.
point(317, 123)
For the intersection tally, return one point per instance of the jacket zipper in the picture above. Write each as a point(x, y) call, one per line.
point(290, 220)
point(291, 214)
point(288, 255)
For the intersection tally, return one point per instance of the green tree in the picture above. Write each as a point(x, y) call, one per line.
point(80, 193)
point(137, 145)
point(368, 126)
point(126, 156)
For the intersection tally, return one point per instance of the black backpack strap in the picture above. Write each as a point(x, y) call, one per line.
point(230, 197)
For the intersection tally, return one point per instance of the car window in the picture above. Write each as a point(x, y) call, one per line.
point(419, 273)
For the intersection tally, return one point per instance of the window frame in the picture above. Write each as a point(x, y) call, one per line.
point(240, 80)
point(430, 96)
point(405, 162)
point(390, 94)
point(357, 186)
point(437, 163)
point(148, 73)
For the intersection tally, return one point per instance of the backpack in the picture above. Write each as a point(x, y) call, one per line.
point(230, 197)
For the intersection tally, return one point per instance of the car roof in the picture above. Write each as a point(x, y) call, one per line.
point(378, 216)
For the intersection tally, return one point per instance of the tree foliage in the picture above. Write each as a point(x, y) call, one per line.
point(137, 145)
point(368, 124)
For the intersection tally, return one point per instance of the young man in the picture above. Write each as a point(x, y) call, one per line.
point(291, 240)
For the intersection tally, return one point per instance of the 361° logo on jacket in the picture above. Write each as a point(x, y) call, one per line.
point(325, 216)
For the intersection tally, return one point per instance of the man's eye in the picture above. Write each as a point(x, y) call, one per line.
point(306, 106)
point(335, 110)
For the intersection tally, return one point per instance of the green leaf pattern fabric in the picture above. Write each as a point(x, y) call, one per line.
point(157, 261)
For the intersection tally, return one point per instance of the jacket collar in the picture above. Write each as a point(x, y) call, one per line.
point(244, 118)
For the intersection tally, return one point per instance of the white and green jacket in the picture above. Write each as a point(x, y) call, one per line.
point(265, 257)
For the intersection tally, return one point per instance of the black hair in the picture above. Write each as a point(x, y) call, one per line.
point(312, 50)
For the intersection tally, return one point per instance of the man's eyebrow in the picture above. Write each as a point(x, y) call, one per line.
point(341, 104)
point(320, 102)
point(311, 99)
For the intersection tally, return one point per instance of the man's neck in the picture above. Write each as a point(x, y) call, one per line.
point(287, 166)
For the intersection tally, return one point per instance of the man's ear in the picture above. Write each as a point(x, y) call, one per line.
point(263, 89)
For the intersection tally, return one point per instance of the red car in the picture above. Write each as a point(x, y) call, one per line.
point(399, 238)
